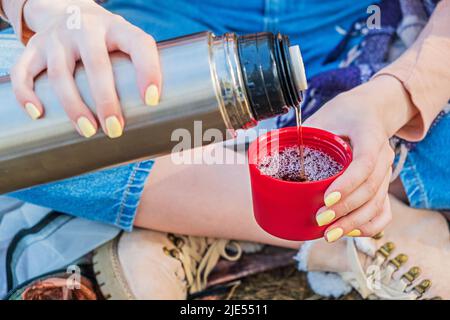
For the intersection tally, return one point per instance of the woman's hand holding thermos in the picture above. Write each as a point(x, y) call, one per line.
point(87, 33)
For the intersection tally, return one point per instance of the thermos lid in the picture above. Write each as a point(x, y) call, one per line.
point(273, 73)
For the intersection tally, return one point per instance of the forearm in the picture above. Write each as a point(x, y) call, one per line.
point(51, 8)
point(27, 16)
point(389, 98)
point(424, 72)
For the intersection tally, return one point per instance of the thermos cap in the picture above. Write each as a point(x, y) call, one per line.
point(273, 73)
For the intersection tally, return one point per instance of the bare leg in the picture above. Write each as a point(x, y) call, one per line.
point(202, 200)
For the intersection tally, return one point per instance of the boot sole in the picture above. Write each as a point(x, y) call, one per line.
point(109, 274)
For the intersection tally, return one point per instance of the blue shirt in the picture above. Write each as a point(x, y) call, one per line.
point(309, 23)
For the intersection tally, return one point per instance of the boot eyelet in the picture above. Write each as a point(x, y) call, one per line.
point(399, 260)
point(179, 243)
point(166, 251)
point(172, 238)
point(386, 249)
point(378, 236)
point(422, 287)
point(412, 275)
point(174, 253)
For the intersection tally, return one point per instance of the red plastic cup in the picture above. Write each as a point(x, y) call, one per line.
point(288, 209)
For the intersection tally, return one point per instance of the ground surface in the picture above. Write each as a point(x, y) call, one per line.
point(280, 284)
point(267, 274)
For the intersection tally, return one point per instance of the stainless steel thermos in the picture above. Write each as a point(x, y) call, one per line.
point(226, 82)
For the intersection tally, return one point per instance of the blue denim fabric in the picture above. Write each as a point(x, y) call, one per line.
point(426, 173)
point(112, 195)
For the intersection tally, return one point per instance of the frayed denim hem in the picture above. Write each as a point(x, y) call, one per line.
point(413, 184)
point(132, 193)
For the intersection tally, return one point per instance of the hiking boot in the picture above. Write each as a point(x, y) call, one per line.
point(409, 261)
point(150, 265)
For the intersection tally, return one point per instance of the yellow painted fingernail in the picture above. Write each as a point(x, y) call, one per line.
point(354, 233)
point(113, 127)
point(86, 127)
point(332, 198)
point(152, 95)
point(325, 217)
point(334, 234)
point(32, 111)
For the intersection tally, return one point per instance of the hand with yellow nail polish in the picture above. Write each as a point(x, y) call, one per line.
point(356, 201)
point(56, 48)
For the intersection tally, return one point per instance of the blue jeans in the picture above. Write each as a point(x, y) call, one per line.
point(426, 173)
point(112, 195)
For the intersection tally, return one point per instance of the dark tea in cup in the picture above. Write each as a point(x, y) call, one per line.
point(285, 199)
point(288, 165)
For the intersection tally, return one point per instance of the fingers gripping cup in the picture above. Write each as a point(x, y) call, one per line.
point(287, 209)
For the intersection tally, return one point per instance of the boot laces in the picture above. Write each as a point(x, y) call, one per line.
point(199, 256)
point(377, 281)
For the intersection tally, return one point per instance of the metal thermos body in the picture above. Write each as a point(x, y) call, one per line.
point(223, 82)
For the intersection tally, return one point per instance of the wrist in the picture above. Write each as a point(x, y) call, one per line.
point(391, 102)
point(40, 14)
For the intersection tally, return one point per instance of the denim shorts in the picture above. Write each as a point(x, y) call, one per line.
point(426, 172)
point(112, 196)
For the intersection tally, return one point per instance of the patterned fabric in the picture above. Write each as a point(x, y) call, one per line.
point(401, 23)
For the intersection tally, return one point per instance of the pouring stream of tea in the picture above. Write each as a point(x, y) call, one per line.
point(302, 83)
point(298, 117)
